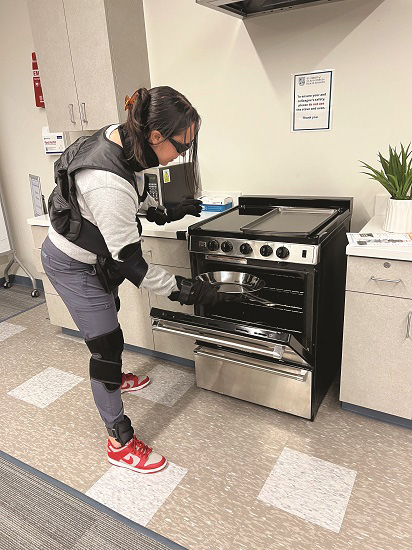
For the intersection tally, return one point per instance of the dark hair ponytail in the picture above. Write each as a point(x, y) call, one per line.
point(168, 111)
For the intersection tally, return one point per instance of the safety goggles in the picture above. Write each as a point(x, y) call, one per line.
point(180, 147)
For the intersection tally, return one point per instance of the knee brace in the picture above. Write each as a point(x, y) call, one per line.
point(122, 431)
point(106, 359)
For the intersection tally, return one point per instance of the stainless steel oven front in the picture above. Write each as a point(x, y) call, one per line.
point(256, 364)
point(259, 348)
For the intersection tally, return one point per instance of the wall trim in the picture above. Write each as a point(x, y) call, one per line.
point(389, 418)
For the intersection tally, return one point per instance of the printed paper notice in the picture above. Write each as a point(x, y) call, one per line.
point(312, 94)
point(36, 195)
point(380, 239)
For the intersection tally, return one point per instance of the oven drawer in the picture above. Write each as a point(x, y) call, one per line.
point(280, 387)
point(378, 276)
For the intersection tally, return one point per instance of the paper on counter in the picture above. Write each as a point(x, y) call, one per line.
point(379, 239)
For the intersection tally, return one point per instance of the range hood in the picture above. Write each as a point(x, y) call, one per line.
point(253, 8)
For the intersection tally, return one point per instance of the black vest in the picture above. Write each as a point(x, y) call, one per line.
point(99, 153)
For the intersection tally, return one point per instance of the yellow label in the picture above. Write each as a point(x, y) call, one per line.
point(166, 176)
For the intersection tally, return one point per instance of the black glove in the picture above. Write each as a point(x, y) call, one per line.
point(197, 292)
point(157, 215)
point(191, 207)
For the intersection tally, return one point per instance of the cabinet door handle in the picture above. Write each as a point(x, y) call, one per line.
point(71, 113)
point(408, 326)
point(83, 112)
point(385, 280)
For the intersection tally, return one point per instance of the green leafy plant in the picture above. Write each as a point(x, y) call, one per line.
point(396, 176)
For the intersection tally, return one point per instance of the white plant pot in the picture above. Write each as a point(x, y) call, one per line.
point(398, 216)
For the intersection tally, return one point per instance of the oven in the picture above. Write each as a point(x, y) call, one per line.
point(246, 361)
point(289, 294)
point(279, 346)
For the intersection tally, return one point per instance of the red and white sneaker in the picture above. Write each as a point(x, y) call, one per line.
point(132, 382)
point(136, 456)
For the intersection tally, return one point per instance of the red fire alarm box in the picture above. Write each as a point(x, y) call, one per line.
point(38, 92)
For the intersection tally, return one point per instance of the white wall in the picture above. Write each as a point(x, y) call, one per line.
point(21, 149)
point(239, 77)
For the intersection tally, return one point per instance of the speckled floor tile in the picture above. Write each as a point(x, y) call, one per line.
point(310, 488)
point(207, 509)
point(228, 447)
point(167, 385)
point(76, 339)
point(7, 330)
point(138, 497)
point(45, 387)
point(7, 312)
point(352, 440)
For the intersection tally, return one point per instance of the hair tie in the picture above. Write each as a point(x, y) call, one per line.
point(130, 101)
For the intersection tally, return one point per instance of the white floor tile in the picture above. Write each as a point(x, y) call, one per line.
point(310, 488)
point(167, 385)
point(9, 329)
point(45, 387)
point(136, 496)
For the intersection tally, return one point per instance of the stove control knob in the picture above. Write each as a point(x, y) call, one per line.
point(282, 252)
point(245, 248)
point(213, 245)
point(266, 250)
point(226, 246)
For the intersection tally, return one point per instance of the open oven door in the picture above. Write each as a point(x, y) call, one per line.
point(262, 366)
point(281, 346)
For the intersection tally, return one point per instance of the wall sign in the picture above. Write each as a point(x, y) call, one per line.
point(312, 94)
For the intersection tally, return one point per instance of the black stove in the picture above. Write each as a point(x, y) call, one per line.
point(287, 229)
point(281, 345)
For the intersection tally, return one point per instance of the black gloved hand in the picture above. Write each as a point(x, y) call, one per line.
point(197, 292)
point(191, 207)
point(157, 215)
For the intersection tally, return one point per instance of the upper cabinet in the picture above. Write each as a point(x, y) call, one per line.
point(91, 54)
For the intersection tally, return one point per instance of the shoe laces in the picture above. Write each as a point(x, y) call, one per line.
point(128, 376)
point(139, 448)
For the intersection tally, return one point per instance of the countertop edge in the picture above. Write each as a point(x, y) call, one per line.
point(173, 230)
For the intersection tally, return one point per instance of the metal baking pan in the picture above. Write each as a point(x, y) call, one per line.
point(290, 220)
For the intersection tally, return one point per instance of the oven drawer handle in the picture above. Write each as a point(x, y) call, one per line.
point(385, 280)
point(276, 353)
point(297, 377)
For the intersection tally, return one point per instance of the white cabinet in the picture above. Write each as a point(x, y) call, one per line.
point(136, 303)
point(173, 344)
point(173, 256)
point(134, 316)
point(377, 345)
point(90, 54)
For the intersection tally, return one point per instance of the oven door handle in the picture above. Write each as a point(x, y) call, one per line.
point(298, 377)
point(276, 351)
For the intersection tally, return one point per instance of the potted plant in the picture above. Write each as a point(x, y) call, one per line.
point(396, 177)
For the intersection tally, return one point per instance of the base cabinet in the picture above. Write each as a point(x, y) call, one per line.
point(173, 344)
point(377, 353)
point(134, 316)
point(136, 303)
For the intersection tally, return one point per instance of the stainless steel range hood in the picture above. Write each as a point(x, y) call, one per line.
point(253, 8)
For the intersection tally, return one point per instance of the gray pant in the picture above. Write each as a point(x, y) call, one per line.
point(93, 311)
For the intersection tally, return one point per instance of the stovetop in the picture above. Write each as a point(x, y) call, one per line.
point(272, 228)
point(286, 221)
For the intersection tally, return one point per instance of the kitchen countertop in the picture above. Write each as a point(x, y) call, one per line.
point(167, 231)
point(375, 225)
